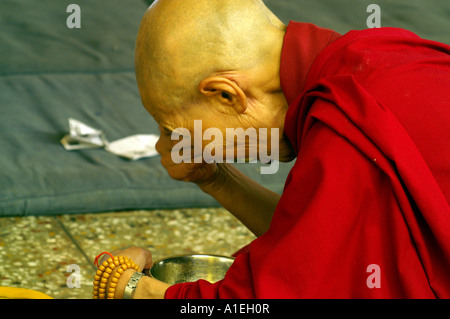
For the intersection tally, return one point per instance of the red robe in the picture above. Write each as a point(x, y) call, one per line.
point(365, 210)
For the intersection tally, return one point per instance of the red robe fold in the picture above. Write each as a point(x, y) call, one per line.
point(365, 210)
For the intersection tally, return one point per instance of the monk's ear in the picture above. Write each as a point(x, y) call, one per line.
point(227, 92)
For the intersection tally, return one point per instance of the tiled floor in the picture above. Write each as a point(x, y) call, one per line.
point(36, 252)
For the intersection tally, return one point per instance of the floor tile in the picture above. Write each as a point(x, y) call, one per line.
point(38, 252)
point(35, 254)
point(164, 233)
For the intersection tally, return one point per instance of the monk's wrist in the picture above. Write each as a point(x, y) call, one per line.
point(123, 282)
point(216, 182)
point(146, 288)
point(150, 288)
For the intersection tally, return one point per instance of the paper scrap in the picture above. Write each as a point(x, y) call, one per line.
point(82, 136)
point(134, 147)
point(72, 144)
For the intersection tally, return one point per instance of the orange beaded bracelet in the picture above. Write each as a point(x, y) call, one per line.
point(110, 271)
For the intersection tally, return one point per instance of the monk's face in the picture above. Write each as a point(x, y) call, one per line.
point(199, 120)
point(194, 76)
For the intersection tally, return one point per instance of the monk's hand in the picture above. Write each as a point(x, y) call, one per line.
point(148, 288)
point(199, 173)
point(140, 256)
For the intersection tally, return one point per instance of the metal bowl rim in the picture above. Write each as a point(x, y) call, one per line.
point(149, 271)
point(191, 255)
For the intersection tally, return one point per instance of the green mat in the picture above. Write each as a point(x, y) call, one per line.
point(427, 18)
point(50, 73)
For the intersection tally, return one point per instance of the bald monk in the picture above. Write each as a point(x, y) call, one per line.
point(365, 209)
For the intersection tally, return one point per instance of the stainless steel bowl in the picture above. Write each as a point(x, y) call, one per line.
point(190, 268)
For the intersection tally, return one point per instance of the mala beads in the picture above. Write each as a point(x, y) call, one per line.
point(111, 269)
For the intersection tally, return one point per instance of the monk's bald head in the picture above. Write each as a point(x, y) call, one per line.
point(180, 42)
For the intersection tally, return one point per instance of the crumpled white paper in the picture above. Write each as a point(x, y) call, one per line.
point(82, 136)
point(134, 147)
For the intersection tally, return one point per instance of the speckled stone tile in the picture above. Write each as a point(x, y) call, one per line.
point(35, 252)
point(164, 233)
